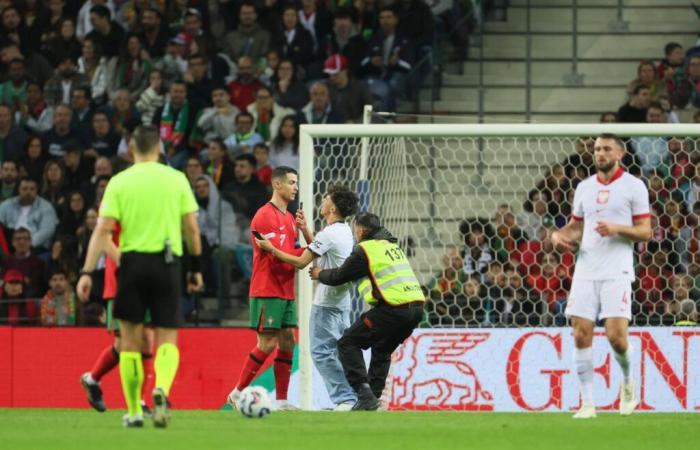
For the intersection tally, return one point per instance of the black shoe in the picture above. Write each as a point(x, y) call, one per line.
point(161, 415)
point(366, 401)
point(132, 422)
point(94, 394)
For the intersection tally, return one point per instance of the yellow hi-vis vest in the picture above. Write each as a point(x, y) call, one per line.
point(391, 272)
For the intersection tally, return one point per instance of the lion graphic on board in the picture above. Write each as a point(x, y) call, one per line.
point(430, 372)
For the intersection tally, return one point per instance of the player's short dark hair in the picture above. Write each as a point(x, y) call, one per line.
point(655, 105)
point(344, 199)
point(670, 47)
point(368, 221)
point(28, 180)
point(281, 172)
point(247, 157)
point(615, 138)
point(21, 230)
point(101, 11)
point(146, 137)
point(58, 271)
point(263, 146)
point(638, 88)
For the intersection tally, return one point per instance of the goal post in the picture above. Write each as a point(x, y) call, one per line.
point(429, 181)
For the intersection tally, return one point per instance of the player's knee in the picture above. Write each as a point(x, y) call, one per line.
point(582, 338)
point(618, 341)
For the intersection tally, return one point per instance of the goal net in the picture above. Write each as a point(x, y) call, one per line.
point(474, 207)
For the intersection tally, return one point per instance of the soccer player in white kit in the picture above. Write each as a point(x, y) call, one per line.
point(330, 312)
point(610, 213)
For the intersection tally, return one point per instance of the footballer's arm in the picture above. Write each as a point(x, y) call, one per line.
point(569, 236)
point(297, 261)
point(639, 232)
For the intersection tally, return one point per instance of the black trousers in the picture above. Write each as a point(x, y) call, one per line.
point(382, 328)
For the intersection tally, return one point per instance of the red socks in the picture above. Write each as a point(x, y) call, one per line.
point(108, 360)
point(256, 358)
point(283, 370)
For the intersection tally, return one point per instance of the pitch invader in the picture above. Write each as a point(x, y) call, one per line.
point(610, 213)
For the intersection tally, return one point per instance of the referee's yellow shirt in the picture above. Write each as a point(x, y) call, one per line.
point(149, 200)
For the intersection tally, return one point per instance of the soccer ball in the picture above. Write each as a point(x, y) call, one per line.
point(254, 402)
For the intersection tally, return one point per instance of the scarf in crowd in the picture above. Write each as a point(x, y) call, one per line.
point(172, 131)
point(263, 128)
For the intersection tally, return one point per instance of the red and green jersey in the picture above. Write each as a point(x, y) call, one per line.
point(272, 277)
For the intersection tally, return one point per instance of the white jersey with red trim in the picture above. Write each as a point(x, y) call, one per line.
point(621, 201)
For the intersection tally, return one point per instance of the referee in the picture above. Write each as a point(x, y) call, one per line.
point(388, 283)
point(152, 203)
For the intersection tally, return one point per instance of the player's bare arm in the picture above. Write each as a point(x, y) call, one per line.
point(569, 236)
point(100, 242)
point(194, 248)
point(639, 232)
point(301, 225)
point(297, 261)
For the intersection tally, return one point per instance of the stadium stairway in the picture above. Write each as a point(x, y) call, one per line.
point(607, 60)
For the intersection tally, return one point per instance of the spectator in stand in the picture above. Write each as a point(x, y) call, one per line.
point(346, 41)
point(30, 266)
point(651, 284)
point(176, 119)
point(154, 34)
point(81, 103)
point(582, 159)
point(199, 85)
point(535, 214)
point(56, 139)
point(294, 42)
point(13, 92)
point(152, 98)
point(84, 24)
point(318, 22)
point(12, 137)
point(320, 109)
point(29, 211)
point(245, 137)
point(556, 185)
point(267, 114)
point(350, 95)
point(174, 65)
point(33, 160)
point(65, 45)
point(687, 314)
point(284, 149)
point(477, 253)
point(78, 168)
point(130, 69)
point(635, 110)
point(678, 232)
point(193, 25)
point(496, 283)
point(244, 87)
point(84, 232)
point(520, 303)
point(218, 121)
point(245, 193)
point(681, 284)
point(263, 169)
point(14, 30)
point(64, 257)
point(36, 115)
point(272, 60)
point(48, 24)
point(59, 305)
point(66, 78)
point(15, 308)
point(652, 151)
point(451, 277)
point(53, 187)
point(688, 87)
point(552, 284)
point(36, 65)
point(220, 166)
point(289, 92)
point(105, 31)
point(9, 176)
point(103, 169)
point(646, 76)
point(608, 117)
point(416, 22)
point(249, 39)
point(121, 111)
point(671, 69)
point(102, 139)
point(508, 235)
point(679, 166)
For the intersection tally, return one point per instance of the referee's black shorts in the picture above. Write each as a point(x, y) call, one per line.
point(146, 282)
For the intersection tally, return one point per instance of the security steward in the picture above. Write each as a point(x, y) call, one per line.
point(388, 283)
point(155, 206)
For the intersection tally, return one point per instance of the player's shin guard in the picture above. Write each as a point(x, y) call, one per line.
point(108, 360)
point(283, 371)
point(131, 371)
point(584, 370)
point(166, 364)
point(256, 359)
point(624, 360)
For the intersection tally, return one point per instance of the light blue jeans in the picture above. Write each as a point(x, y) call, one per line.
point(327, 326)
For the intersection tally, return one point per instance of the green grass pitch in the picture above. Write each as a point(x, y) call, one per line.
point(85, 429)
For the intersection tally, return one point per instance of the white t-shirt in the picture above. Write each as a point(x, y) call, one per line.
point(621, 201)
point(23, 218)
point(333, 244)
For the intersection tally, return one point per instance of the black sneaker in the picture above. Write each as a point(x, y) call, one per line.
point(94, 393)
point(161, 414)
point(366, 401)
point(132, 422)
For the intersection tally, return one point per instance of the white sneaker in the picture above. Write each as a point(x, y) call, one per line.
point(233, 398)
point(342, 407)
point(586, 411)
point(283, 405)
point(628, 399)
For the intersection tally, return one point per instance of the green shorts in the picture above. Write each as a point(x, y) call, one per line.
point(113, 324)
point(272, 313)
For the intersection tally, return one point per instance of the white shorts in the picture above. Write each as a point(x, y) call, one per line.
point(600, 299)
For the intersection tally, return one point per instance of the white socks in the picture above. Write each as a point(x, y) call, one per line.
point(624, 360)
point(584, 369)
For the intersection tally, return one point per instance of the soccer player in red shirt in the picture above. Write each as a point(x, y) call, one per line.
point(109, 357)
point(272, 307)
